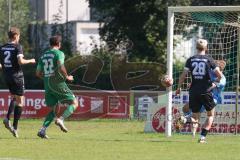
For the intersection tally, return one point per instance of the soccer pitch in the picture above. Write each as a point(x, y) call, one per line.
point(111, 140)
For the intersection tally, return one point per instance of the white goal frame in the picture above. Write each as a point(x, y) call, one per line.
point(171, 11)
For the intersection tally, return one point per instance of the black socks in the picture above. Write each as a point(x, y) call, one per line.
point(17, 115)
point(204, 132)
point(10, 108)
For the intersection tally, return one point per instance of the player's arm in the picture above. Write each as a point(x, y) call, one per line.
point(20, 56)
point(23, 61)
point(218, 74)
point(63, 71)
point(216, 69)
point(221, 84)
point(62, 68)
point(0, 66)
point(183, 76)
point(218, 84)
point(39, 72)
point(181, 80)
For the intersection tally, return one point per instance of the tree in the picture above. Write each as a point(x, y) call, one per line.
point(144, 22)
point(140, 21)
point(20, 17)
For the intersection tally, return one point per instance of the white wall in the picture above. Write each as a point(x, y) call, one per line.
point(78, 15)
point(87, 35)
point(77, 10)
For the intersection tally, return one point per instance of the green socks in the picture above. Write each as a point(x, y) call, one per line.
point(51, 115)
point(49, 119)
point(70, 109)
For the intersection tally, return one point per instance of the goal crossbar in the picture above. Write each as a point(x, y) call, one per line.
point(203, 8)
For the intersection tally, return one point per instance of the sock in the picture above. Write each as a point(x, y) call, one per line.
point(10, 108)
point(43, 129)
point(17, 115)
point(204, 132)
point(194, 128)
point(189, 119)
point(49, 118)
point(202, 137)
point(68, 111)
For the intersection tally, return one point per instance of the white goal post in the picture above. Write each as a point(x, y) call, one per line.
point(220, 25)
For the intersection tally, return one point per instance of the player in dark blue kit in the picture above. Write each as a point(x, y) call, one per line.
point(200, 66)
point(11, 59)
point(216, 89)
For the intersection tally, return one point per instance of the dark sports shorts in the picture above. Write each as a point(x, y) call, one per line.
point(15, 84)
point(196, 101)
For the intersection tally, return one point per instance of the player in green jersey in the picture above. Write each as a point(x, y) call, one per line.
point(51, 68)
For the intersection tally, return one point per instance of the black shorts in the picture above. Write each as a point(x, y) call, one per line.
point(196, 101)
point(15, 84)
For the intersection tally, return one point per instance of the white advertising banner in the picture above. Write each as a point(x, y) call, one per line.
point(224, 121)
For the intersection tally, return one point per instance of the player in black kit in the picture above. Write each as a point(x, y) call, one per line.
point(200, 95)
point(11, 58)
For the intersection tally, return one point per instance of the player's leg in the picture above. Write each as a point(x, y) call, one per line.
point(17, 113)
point(183, 119)
point(187, 112)
point(51, 102)
point(18, 94)
point(195, 106)
point(11, 86)
point(188, 117)
point(66, 97)
point(48, 120)
point(11, 107)
point(6, 120)
point(72, 106)
point(208, 122)
point(17, 91)
point(207, 126)
point(209, 105)
point(195, 122)
point(192, 118)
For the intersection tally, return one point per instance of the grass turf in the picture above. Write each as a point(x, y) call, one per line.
point(111, 140)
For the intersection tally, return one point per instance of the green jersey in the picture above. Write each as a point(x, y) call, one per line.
point(49, 64)
point(56, 90)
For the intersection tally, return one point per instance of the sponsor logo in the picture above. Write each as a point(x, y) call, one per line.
point(159, 119)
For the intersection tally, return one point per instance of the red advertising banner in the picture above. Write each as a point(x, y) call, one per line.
point(92, 104)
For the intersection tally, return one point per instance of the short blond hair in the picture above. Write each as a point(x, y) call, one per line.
point(201, 44)
point(221, 64)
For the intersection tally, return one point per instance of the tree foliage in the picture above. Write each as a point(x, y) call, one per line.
point(140, 21)
point(20, 17)
point(144, 22)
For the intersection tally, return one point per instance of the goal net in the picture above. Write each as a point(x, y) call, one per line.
point(220, 26)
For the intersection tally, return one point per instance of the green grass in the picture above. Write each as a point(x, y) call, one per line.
point(111, 140)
